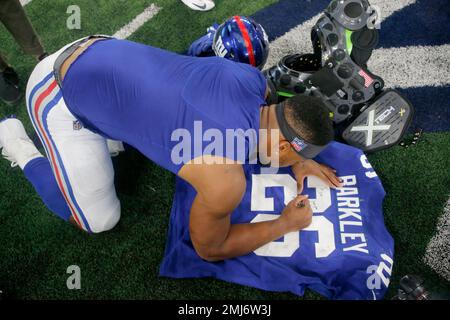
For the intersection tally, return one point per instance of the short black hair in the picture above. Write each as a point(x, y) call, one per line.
point(310, 119)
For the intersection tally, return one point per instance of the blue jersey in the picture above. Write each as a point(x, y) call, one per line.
point(346, 253)
point(141, 95)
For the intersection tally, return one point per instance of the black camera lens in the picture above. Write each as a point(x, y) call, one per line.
point(345, 71)
point(339, 54)
point(328, 27)
point(332, 39)
point(353, 10)
point(343, 109)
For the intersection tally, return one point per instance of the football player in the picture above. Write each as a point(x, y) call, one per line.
point(100, 88)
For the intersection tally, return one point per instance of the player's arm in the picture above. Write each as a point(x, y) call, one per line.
point(220, 189)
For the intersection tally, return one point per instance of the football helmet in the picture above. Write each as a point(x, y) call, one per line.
point(243, 40)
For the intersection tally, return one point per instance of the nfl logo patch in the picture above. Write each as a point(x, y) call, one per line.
point(77, 125)
point(298, 144)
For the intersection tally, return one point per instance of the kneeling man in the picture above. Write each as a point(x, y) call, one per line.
point(101, 88)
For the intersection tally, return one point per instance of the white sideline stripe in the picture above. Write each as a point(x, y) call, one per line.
point(24, 2)
point(437, 255)
point(417, 66)
point(296, 40)
point(137, 22)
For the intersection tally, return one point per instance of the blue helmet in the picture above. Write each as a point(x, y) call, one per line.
point(241, 39)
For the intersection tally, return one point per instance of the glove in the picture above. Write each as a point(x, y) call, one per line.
point(202, 47)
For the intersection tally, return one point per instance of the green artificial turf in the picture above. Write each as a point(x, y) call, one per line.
point(36, 247)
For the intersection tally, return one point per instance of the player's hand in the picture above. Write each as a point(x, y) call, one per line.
point(297, 214)
point(311, 168)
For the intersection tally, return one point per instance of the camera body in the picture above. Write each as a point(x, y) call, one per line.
point(364, 115)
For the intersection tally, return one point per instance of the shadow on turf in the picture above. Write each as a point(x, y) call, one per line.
point(129, 167)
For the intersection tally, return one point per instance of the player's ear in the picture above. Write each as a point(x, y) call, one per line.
point(284, 147)
point(284, 153)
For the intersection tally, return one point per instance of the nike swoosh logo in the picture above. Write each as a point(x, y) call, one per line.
point(199, 6)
